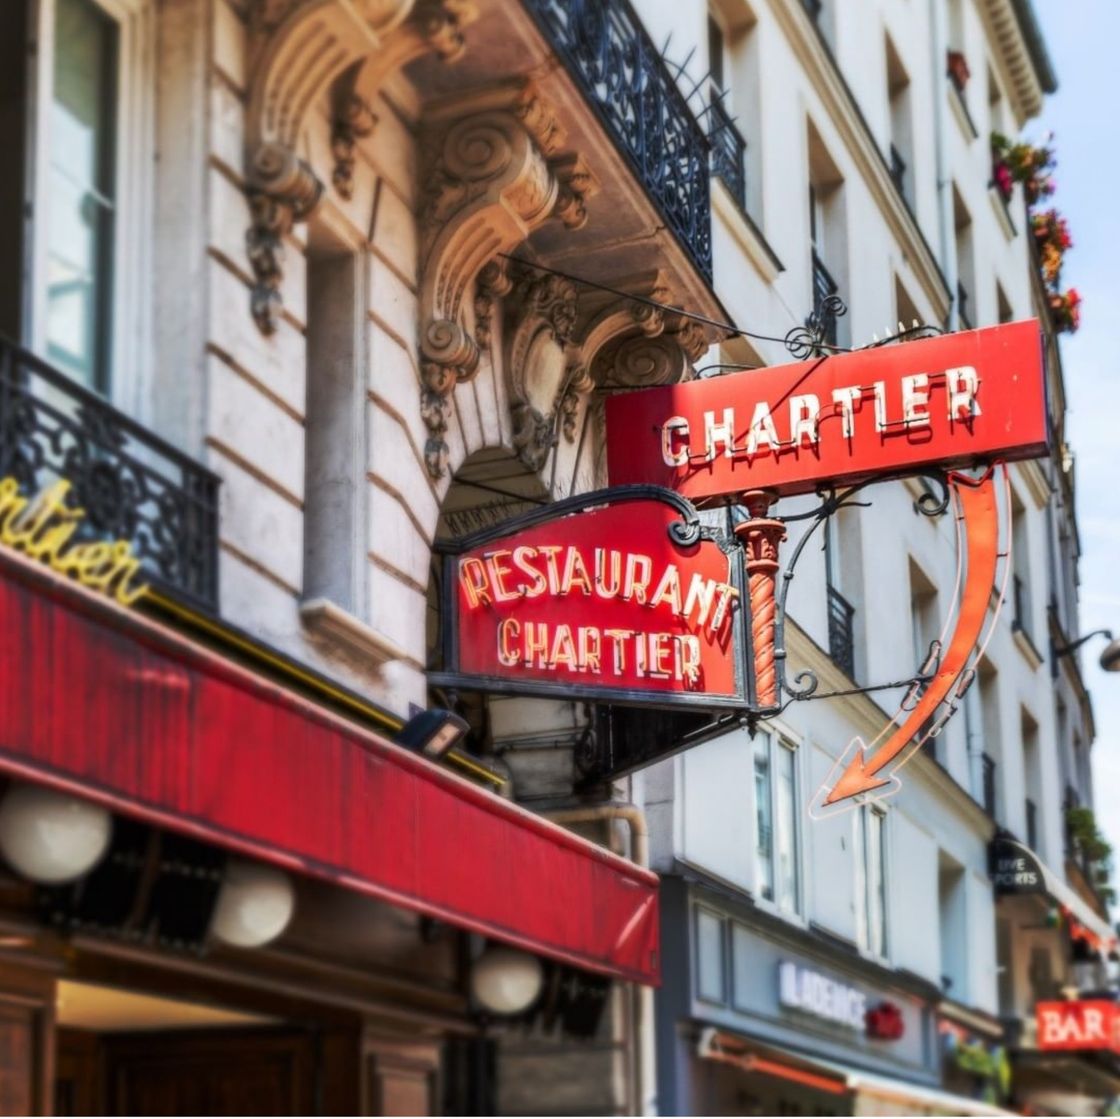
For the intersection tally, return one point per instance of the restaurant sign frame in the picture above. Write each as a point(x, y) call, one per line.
point(694, 544)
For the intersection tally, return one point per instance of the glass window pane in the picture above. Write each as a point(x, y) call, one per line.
point(763, 818)
point(709, 956)
point(785, 848)
point(81, 190)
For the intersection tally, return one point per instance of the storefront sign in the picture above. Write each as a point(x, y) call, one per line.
point(1013, 868)
point(946, 401)
point(43, 526)
point(885, 1021)
point(619, 594)
point(1078, 1024)
point(801, 988)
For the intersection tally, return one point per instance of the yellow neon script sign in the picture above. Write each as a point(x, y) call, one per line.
point(41, 527)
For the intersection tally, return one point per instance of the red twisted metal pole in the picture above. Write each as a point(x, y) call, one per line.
point(761, 536)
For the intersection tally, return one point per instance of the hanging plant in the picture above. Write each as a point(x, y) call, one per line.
point(1052, 239)
point(1019, 162)
point(1032, 166)
point(1065, 310)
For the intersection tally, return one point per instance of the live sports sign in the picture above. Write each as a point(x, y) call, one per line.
point(948, 401)
point(1078, 1024)
point(618, 595)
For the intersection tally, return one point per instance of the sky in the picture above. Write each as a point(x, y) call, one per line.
point(1084, 116)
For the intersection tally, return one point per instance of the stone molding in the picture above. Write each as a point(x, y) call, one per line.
point(604, 340)
point(494, 173)
point(298, 49)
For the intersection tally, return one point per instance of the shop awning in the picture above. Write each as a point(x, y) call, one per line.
point(1064, 895)
point(106, 703)
point(873, 1095)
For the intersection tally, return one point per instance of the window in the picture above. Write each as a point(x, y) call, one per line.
point(776, 834)
point(926, 630)
point(1032, 779)
point(871, 897)
point(1003, 305)
point(966, 265)
point(842, 564)
point(989, 693)
point(81, 191)
point(953, 927)
point(716, 51)
point(89, 194)
point(827, 237)
point(1020, 568)
point(901, 149)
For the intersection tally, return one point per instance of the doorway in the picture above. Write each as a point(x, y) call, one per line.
point(120, 1052)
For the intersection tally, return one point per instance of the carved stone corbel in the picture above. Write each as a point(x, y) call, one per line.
point(542, 315)
point(353, 120)
point(493, 176)
point(285, 191)
point(298, 49)
point(628, 343)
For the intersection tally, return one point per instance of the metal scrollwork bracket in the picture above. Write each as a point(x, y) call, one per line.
point(805, 684)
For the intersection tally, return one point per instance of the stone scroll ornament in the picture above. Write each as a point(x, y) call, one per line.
point(956, 407)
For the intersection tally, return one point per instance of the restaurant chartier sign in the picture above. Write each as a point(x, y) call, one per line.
point(44, 526)
point(620, 595)
point(958, 406)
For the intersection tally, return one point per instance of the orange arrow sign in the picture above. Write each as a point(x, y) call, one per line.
point(981, 524)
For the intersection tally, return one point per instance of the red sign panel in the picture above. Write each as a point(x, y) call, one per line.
point(605, 602)
point(946, 401)
point(1078, 1024)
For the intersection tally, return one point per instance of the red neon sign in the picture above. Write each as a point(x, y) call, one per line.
point(603, 602)
point(946, 401)
point(1078, 1024)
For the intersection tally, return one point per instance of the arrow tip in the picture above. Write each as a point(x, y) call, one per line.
point(857, 778)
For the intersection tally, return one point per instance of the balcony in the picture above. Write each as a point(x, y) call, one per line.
point(624, 79)
point(132, 485)
point(988, 783)
point(841, 640)
point(824, 286)
point(729, 151)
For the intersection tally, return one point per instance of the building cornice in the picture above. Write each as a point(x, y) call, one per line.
point(820, 66)
point(1020, 54)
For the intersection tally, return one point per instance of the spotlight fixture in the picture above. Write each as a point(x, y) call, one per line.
point(1110, 658)
point(433, 732)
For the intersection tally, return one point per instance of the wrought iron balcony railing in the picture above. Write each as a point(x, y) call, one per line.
point(841, 637)
point(824, 286)
point(729, 151)
point(625, 80)
point(988, 778)
point(131, 484)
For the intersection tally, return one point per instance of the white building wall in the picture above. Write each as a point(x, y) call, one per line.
point(934, 820)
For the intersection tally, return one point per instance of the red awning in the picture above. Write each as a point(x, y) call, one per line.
point(105, 702)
